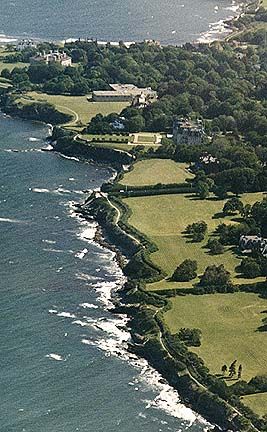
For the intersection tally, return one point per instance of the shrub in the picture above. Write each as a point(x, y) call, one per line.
point(215, 247)
point(186, 271)
point(250, 268)
point(191, 337)
point(216, 276)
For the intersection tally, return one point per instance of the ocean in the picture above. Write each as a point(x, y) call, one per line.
point(169, 21)
point(63, 362)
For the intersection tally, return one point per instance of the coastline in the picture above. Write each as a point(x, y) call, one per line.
point(218, 30)
point(192, 393)
point(101, 238)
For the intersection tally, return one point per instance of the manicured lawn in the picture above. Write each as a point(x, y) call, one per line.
point(229, 325)
point(81, 109)
point(163, 218)
point(256, 402)
point(153, 171)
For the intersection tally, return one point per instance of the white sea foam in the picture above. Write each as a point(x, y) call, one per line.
point(81, 254)
point(66, 315)
point(88, 306)
point(9, 220)
point(56, 357)
point(86, 277)
point(115, 344)
point(49, 241)
point(70, 157)
point(88, 233)
point(54, 250)
point(39, 190)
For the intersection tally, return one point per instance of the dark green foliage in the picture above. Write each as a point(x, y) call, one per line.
point(230, 234)
point(191, 337)
point(259, 383)
point(197, 231)
point(185, 272)
point(233, 205)
point(259, 214)
point(215, 276)
point(215, 246)
point(250, 268)
point(40, 111)
point(140, 267)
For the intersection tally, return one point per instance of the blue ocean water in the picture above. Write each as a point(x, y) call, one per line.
point(63, 362)
point(170, 21)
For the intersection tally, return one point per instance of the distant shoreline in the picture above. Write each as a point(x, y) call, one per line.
point(217, 31)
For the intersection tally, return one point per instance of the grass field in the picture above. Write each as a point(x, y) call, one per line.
point(256, 402)
point(9, 66)
point(153, 171)
point(163, 218)
point(81, 109)
point(229, 324)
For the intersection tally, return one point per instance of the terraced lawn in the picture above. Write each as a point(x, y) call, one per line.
point(153, 171)
point(229, 325)
point(164, 218)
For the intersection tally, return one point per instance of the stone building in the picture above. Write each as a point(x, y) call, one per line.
point(248, 244)
point(186, 131)
point(53, 57)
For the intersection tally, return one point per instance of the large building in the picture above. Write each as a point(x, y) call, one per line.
point(53, 57)
point(186, 131)
point(249, 244)
point(124, 93)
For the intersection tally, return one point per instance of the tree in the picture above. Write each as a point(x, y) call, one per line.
point(186, 271)
point(250, 268)
point(239, 373)
point(216, 276)
point(224, 369)
point(191, 337)
point(215, 247)
point(197, 230)
point(203, 190)
point(5, 73)
point(232, 369)
point(246, 211)
point(232, 205)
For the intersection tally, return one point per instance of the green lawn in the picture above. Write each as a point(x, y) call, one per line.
point(153, 171)
point(9, 66)
point(229, 324)
point(163, 218)
point(256, 402)
point(81, 109)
